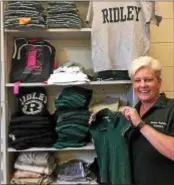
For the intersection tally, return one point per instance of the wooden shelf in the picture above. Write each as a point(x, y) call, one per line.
point(90, 146)
point(62, 33)
point(114, 82)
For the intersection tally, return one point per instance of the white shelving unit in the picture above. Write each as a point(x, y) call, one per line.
point(65, 182)
point(72, 44)
point(62, 33)
point(119, 82)
point(88, 147)
point(3, 158)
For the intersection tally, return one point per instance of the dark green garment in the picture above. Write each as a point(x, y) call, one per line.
point(61, 145)
point(80, 117)
point(108, 130)
point(72, 135)
point(75, 127)
point(73, 98)
point(72, 114)
point(151, 167)
point(73, 121)
point(112, 75)
point(69, 103)
point(69, 136)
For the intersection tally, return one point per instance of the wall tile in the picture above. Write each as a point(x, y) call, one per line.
point(162, 33)
point(165, 9)
point(163, 52)
point(167, 77)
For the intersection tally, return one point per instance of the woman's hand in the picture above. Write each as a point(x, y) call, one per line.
point(132, 115)
point(91, 118)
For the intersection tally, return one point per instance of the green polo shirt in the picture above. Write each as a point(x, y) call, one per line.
point(149, 166)
point(108, 131)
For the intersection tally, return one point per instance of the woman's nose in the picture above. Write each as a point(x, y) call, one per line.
point(142, 83)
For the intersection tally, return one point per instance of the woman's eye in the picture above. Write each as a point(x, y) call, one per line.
point(137, 81)
point(148, 80)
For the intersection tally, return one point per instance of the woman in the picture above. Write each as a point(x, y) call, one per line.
point(152, 144)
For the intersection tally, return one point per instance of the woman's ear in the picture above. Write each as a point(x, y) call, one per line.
point(158, 75)
point(159, 80)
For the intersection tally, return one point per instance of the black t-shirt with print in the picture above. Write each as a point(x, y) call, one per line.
point(32, 101)
point(149, 166)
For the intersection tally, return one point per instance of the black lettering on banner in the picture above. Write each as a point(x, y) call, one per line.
point(105, 15)
point(116, 14)
point(110, 12)
point(122, 17)
point(121, 14)
point(130, 15)
point(137, 10)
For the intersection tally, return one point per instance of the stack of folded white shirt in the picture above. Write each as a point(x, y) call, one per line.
point(68, 74)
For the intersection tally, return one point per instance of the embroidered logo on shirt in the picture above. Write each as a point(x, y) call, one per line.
point(158, 124)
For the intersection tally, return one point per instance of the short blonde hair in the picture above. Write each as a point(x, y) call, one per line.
point(145, 61)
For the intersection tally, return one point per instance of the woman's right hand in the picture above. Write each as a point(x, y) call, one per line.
point(132, 115)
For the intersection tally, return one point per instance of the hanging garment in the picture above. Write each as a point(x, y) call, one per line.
point(120, 32)
point(109, 130)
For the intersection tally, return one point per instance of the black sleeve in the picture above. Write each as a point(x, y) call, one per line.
point(170, 127)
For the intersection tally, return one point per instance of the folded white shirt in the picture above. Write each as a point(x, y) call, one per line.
point(63, 77)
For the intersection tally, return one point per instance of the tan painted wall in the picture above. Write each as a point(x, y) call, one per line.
point(162, 45)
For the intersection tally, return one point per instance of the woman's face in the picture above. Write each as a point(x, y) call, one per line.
point(146, 85)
